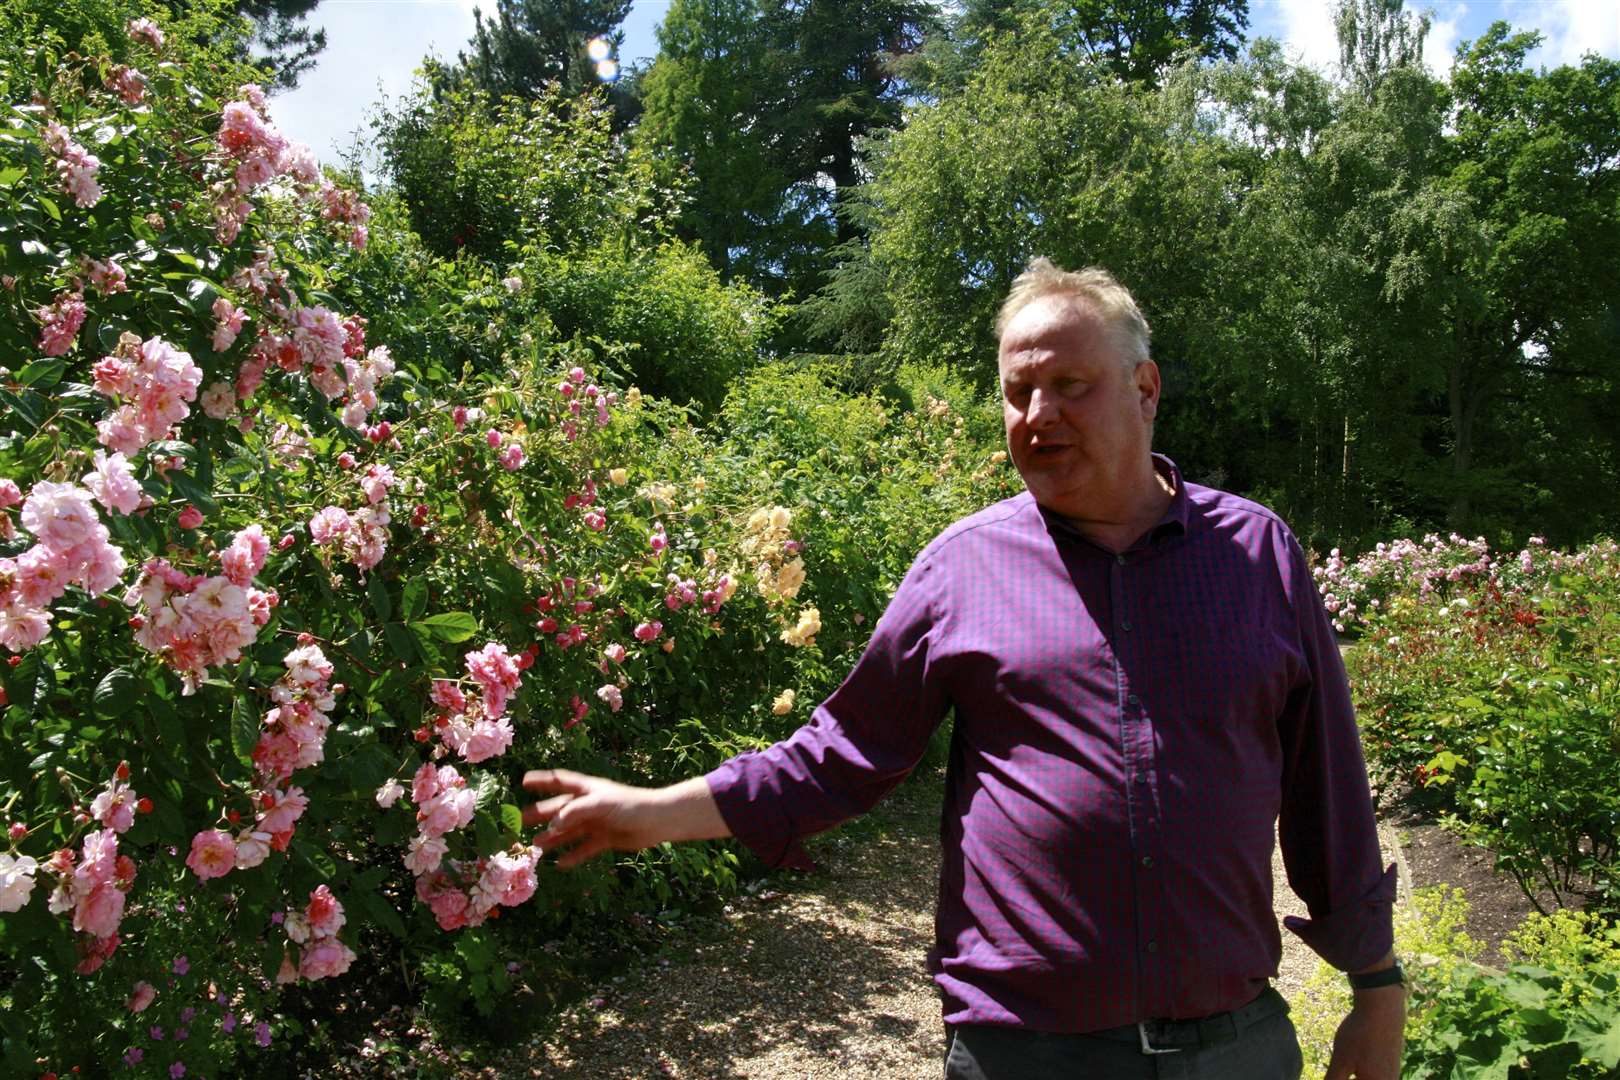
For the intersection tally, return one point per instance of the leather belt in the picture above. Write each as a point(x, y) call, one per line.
point(1174, 1036)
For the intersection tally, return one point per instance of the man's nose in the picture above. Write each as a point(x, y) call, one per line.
point(1043, 411)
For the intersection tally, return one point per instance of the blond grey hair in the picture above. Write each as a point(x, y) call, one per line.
point(1093, 287)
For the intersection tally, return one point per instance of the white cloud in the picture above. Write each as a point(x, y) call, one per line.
point(1307, 33)
point(1572, 29)
point(1445, 31)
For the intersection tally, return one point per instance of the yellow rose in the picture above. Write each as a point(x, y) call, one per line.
point(619, 477)
point(783, 703)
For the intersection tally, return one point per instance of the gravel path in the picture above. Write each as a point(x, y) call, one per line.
point(814, 976)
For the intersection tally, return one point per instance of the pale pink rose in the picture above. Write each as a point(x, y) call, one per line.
point(61, 516)
point(425, 784)
point(479, 740)
point(213, 854)
point(113, 483)
point(190, 517)
point(140, 997)
point(41, 575)
point(509, 878)
point(612, 696)
point(493, 437)
point(288, 807)
point(107, 277)
point(252, 849)
point(449, 908)
point(114, 808)
point(288, 972)
point(10, 494)
point(329, 524)
point(447, 695)
point(615, 653)
point(99, 911)
point(324, 914)
point(325, 958)
point(425, 854)
point(458, 417)
point(512, 457)
point(648, 631)
point(389, 793)
point(245, 556)
point(218, 400)
point(497, 672)
point(16, 881)
point(21, 628)
point(376, 482)
point(145, 30)
point(99, 565)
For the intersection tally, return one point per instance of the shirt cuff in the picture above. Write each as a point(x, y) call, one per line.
point(757, 822)
point(1356, 936)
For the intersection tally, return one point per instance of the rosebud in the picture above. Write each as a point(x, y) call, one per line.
point(190, 517)
point(17, 831)
point(306, 638)
point(419, 516)
point(122, 772)
point(136, 622)
point(233, 816)
point(286, 542)
point(345, 460)
point(423, 734)
point(379, 433)
point(144, 805)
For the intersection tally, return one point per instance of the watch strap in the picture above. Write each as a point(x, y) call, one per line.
point(1372, 980)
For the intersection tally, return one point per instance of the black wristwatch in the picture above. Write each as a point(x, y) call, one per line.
point(1372, 980)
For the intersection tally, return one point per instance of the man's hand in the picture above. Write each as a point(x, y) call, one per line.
point(589, 815)
point(1368, 1043)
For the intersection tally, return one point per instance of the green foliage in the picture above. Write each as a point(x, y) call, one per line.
point(483, 175)
point(1550, 1014)
point(1495, 698)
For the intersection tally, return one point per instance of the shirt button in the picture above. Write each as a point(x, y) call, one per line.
point(1153, 946)
point(1126, 625)
point(1141, 776)
point(1133, 701)
point(1147, 862)
point(1120, 559)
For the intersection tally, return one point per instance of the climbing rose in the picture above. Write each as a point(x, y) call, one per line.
point(213, 854)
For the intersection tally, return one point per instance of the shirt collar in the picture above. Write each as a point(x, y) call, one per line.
point(1173, 522)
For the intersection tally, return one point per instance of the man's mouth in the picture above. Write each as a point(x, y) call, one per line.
point(1050, 449)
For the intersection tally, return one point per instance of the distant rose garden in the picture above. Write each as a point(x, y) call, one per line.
point(312, 541)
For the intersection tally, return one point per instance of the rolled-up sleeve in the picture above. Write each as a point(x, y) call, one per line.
point(1327, 830)
point(857, 745)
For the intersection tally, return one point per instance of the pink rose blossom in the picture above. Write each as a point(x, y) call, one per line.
point(648, 631)
point(512, 457)
point(494, 669)
point(245, 556)
point(425, 855)
point(60, 323)
point(213, 854)
point(113, 483)
point(325, 958)
point(612, 696)
point(324, 915)
point(145, 30)
point(60, 516)
point(140, 997)
point(190, 517)
point(493, 437)
point(329, 524)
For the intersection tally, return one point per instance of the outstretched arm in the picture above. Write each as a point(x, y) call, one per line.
point(588, 815)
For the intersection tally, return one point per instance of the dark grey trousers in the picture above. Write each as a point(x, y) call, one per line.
point(1267, 1050)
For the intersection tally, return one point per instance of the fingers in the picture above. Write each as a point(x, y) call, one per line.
point(541, 812)
point(564, 781)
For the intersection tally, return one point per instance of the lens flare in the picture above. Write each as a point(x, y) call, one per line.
point(607, 70)
point(597, 49)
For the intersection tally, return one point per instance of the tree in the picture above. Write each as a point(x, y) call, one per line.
point(1376, 37)
point(530, 44)
point(766, 103)
point(285, 46)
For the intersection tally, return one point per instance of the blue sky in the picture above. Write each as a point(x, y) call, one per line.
point(373, 46)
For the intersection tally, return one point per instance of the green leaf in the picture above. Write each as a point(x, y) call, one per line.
point(244, 726)
point(511, 821)
point(49, 206)
point(381, 603)
point(10, 176)
point(42, 373)
point(399, 642)
point(414, 600)
point(451, 626)
point(200, 296)
point(115, 693)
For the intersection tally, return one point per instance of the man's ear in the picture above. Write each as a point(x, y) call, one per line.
point(1147, 387)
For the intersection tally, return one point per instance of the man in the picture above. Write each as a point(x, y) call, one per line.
point(1145, 684)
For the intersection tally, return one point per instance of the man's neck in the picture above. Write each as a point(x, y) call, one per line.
point(1121, 532)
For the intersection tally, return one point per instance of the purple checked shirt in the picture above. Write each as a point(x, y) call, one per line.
point(1128, 730)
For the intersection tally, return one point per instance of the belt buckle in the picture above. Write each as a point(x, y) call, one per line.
point(1148, 1047)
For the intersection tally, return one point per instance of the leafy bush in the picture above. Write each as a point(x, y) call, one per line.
point(1550, 1014)
point(1491, 692)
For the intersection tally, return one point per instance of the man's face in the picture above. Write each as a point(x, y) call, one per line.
point(1079, 424)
